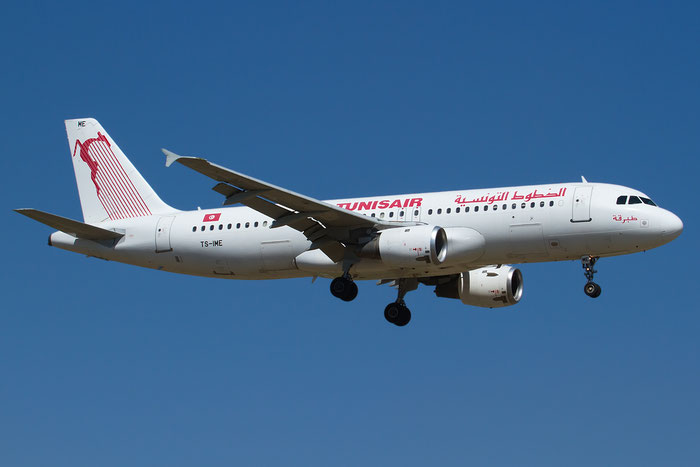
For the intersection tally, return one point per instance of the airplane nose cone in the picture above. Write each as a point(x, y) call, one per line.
point(672, 226)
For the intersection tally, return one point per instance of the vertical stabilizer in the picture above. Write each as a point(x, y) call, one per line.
point(109, 186)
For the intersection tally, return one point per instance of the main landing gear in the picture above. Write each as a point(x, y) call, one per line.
point(397, 312)
point(344, 288)
point(591, 288)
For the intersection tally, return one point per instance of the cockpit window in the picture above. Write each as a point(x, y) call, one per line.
point(634, 200)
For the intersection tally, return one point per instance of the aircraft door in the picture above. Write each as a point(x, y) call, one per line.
point(413, 214)
point(526, 240)
point(581, 210)
point(163, 234)
point(277, 255)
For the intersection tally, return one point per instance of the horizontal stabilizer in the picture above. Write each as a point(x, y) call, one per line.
point(69, 226)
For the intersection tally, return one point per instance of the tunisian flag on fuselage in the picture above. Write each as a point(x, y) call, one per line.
point(212, 217)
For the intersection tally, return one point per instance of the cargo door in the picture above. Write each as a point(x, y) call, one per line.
point(526, 240)
point(277, 255)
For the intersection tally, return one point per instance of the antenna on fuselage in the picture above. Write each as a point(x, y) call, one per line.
point(583, 179)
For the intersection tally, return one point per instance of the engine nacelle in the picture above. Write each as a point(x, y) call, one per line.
point(405, 246)
point(408, 246)
point(464, 245)
point(489, 287)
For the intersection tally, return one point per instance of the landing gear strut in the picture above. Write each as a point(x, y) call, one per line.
point(344, 288)
point(591, 288)
point(397, 312)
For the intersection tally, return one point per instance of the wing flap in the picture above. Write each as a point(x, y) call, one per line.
point(70, 226)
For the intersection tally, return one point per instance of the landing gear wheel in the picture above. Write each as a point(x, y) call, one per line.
point(397, 313)
point(344, 289)
point(352, 292)
point(404, 316)
point(391, 312)
point(592, 289)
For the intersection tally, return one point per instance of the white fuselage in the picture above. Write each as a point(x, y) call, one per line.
point(519, 224)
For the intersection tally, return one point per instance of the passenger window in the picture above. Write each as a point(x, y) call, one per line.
point(401, 214)
point(391, 214)
point(456, 210)
point(486, 208)
point(439, 211)
point(211, 227)
point(622, 200)
point(203, 228)
point(551, 203)
point(648, 201)
point(495, 207)
point(247, 224)
point(221, 226)
point(635, 200)
point(541, 204)
point(430, 211)
point(448, 210)
point(238, 226)
point(532, 205)
point(522, 206)
point(505, 206)
point(415, 213)
point(513, 206)
point(381, 215)
point(476, 208)
point(466, 209)
point(194, 229)
point(373, 215)
point(264, 223)
point(229, 226)
point(256, 224)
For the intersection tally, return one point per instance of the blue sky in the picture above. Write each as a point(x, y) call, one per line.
point(106, 364)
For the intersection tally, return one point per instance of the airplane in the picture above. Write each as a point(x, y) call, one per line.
point(459, 242)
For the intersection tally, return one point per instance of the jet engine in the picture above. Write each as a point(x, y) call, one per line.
point(404, 246)
point(489, 287)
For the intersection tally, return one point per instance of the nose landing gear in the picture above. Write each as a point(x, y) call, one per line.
point(591, 289)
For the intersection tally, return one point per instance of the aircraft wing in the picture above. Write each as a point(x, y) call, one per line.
point(328, 227)
point(69, 226)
